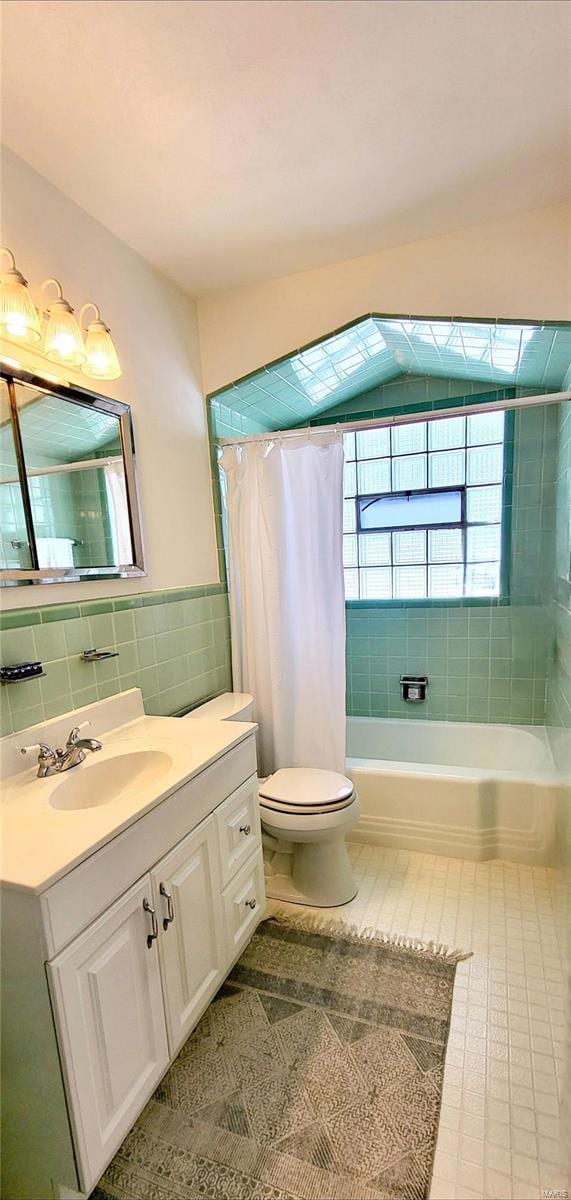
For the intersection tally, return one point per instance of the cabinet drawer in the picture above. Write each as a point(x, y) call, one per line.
point(239, 831)
point(244, 904)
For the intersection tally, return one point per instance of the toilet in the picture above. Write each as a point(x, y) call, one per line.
point(307, 813)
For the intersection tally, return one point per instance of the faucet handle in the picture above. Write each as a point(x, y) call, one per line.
point(42, 747)
point(74, 735)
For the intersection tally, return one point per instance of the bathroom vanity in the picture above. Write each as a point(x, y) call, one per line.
point(130, 886)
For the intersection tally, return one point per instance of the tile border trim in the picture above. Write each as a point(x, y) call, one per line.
point(18, 618)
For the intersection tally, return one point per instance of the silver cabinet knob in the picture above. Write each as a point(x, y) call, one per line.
point(245, 829)
point(250, 903)
point(154, 926)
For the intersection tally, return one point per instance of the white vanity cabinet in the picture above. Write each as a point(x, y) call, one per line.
point(131, 946)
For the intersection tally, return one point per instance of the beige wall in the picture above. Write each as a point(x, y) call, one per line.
point(519, 267)
point(155, 330)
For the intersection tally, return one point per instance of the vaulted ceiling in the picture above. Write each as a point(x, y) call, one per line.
point(377, 349)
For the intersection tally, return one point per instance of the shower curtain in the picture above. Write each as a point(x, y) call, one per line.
point(287, 604)
point(118, 511)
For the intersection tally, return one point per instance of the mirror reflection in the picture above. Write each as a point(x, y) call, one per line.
point(14, 542)
point(76, 478)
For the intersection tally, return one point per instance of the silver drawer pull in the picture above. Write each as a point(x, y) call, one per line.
point(155, 929)
point(250, 903)
point(245, 829)
point(170, 910)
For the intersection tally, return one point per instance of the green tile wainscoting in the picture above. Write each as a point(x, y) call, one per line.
point(174, 645)
point(485, 663)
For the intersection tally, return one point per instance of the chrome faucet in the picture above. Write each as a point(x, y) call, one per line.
point(54, 761)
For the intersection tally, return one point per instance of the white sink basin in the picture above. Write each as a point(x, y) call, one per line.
point(98, 782)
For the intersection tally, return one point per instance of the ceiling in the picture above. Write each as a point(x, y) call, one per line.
point(230, 141)
point(376, 350)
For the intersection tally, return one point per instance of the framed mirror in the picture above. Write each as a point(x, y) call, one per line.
point(68, 494)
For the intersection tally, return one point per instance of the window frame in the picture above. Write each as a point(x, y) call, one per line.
point(504, 522)
point(372, 496)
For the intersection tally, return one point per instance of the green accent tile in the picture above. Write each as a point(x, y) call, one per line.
point(60, 612)
point(127, 602)
point(15, 618)
point(91, 608)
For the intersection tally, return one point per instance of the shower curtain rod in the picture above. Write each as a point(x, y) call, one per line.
point(398, 419)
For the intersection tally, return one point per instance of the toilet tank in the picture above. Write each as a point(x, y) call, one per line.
point(231, 706)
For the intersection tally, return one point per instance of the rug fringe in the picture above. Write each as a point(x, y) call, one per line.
point(334, 927)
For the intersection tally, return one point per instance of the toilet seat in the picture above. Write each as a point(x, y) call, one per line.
point(305, 791)
point(305, 810)
point(306, 787)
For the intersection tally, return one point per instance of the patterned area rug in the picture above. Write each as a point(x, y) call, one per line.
point(315, 1074)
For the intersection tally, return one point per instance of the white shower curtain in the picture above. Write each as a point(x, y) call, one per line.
point(118, 510)
point(287, 605)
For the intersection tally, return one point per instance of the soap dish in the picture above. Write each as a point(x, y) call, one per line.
point(20, 672)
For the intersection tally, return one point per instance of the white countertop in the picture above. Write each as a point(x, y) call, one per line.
point(41, 843)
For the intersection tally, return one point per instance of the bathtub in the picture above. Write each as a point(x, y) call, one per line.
point(468, 790)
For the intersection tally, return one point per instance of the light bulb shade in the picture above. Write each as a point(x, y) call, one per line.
point(102, 361)
point(63, 341)
point(18, 317)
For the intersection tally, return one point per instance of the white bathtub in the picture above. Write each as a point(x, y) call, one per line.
point(443, 787)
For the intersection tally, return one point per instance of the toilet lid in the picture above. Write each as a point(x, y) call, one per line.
point(304, 810)
point(301, 787)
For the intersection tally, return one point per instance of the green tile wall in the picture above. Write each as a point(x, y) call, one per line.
point(174, 645)
point(484, 663)
point(559, 671)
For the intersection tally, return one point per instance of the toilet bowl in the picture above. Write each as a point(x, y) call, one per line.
point(306, 810)
point(313, 810)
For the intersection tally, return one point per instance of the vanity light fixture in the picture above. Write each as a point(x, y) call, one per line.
point(102, 361)
point(18, 316)
point(63, 342)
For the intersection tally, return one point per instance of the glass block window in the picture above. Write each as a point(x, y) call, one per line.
point(423, 509)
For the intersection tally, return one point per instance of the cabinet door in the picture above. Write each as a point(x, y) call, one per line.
point(109, 1017)
point(238, 821)
point(186, 890)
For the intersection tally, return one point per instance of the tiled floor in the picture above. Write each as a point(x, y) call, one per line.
point(499, 1129)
